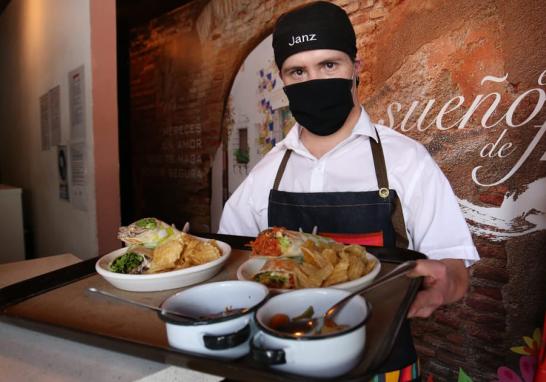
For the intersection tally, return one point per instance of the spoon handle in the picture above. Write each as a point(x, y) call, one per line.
point(137, 303)
point(122, 299)
point(398, 271)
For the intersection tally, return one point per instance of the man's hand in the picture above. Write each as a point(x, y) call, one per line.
point(445, 281)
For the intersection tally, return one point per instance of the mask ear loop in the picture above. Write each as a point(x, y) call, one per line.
point(355, 78)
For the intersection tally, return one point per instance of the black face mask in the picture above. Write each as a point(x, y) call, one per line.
point(321, 106)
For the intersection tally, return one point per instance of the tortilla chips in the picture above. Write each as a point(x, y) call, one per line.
point(182, 251)
point(326, 264)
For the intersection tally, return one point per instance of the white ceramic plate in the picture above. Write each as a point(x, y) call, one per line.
point(164, 280)
point(250, 267)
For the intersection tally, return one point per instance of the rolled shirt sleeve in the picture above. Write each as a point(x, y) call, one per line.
point(434, 218)
point(239, 216)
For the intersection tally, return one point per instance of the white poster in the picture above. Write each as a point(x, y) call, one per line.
point(76, 103)
point(44, 121)
point(55, 115)
point(78, 175)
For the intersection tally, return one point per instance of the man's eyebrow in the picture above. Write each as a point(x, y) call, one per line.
point(291, 68)
point(327, 60)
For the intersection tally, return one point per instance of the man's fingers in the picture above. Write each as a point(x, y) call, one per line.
point(444, 282)
point(424, 312)
point(428, 281)
point(428, 268)
point(425, 303)
point(422, 268)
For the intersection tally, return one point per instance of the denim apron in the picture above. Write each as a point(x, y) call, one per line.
point(353, 217)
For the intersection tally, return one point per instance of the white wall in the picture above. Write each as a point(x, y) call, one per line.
point(250, 86)
point(245, 96)
point(40, 42)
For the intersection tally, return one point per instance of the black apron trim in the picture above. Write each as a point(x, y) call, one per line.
point(399, 225)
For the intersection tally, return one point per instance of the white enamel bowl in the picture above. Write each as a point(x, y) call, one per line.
point(224, 337)
point(325, 356)
point(163, 280)
point(250, 267)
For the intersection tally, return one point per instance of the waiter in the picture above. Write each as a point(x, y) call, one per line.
point(349, 177)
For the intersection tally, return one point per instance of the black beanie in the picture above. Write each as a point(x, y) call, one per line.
point(318, 25)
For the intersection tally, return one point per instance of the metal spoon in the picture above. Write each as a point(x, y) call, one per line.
point(171, 314)
point(183, 317)
point(306, 326)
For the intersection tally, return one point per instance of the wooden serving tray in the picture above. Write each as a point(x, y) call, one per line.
point(57, 303)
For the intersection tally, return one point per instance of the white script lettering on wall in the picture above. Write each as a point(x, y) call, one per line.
point(499, 148)
point(518, 214)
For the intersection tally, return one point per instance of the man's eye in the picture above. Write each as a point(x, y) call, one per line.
point(297, 72)
point(330, 65)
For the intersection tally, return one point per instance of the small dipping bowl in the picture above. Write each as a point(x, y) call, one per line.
point(325, 356)
point(219, 336)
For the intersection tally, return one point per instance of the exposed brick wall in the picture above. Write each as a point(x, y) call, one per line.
point(182, 68)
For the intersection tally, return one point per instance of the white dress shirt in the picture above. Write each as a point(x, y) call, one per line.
point(434, 222)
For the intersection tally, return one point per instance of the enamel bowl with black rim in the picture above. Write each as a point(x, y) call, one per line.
point(163, 280)
point(325, 355)
point(218, 333)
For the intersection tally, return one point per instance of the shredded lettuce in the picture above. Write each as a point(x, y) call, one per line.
point(126, 263)
point(271, 279)
point(284, 242)
point(157, 236)
point(147, 223)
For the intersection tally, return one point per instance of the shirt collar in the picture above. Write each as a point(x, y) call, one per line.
point(363, 126)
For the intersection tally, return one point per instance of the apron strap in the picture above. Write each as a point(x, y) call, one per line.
point(379, 163)
point(281, 169)
point(383, 184)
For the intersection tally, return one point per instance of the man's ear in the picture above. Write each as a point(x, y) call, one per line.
point(357, 65)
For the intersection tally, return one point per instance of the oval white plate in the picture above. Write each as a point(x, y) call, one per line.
point(163, 280)
point(250, 267)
